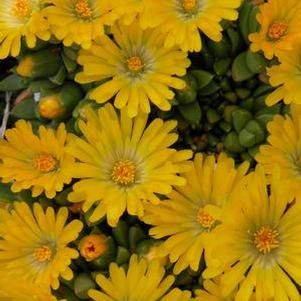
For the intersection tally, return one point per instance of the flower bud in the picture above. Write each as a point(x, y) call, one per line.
point(93, 246)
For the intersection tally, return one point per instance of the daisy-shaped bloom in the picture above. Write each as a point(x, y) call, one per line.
point(280, 27)
point(284, 148)
point(124, 162)
point(212, 291)
point(136, 67)
point(191, 212)
point(21, 18)
point(80, 21)
point(35, 161)
point(17, 289)
point(143, 281)
point(258, 242)
point(34, 245)
point(183, 20)
point(286, 77)
point(129, 10)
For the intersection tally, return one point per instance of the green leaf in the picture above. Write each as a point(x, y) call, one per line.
point(203, 78)
point(6, 194)
point(240, 118)
point(240, 70)
point(13, 83)
point(232, 144)
point(246, 138)
point(25, 109)
point(255, 62)
point(192, 112)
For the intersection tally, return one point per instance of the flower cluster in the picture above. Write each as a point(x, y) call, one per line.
point(102, 200)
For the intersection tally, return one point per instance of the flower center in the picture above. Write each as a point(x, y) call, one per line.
point(42, 254)
point(92, 246)
point(189, 5)
point(124, 172)
point(83, 8)
point(277, 30)
point(135, 64)
point(205, 219)
point(21, 8)
point(44, 163)
point(265, 239)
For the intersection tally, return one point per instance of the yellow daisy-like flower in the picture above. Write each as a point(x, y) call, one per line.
point(192, 211)
point(17, 289)
point(258, 242)
point(286, 77)
point(34, 244)
point(129, 10)
point(182, 20)
point(37, 162)
point(137, 67)
point(284, 148)
point(21, 18)
point(280, 27)
point(212, 292)
point(80, 21)
point(124, 162)
point(143, 281)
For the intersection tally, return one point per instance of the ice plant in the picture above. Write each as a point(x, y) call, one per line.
point(123, 162)
point(191, 212)
point(18, 19)
point(129, 10)
point(135, 69)
point(143, 281)
point(280, 27)
point(286, 77)
point(80, 21)
point(284, 147)
point(34, 244)
point(37, 162)
point(17, 289)
point(183, 20)
point(257, 244)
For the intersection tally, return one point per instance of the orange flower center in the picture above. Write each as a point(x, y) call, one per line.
point(42, 254)
point(21, 8)
point(277, 30)
point(44, 163)
point(265, 239)
point(124, 172)
point(135, 64)
point(93, 246)
point(189, 5)
point(83, 8)
point(205, 219)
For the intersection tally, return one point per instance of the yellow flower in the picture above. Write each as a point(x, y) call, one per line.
point(143, 281)
point(280, 27)
point(286, 77)
point(80, 21)
point(123, 162)
point(136, 67)
point(37, 162)
point(258, 242)
point(129, 10)
point(34, 245)
point(21, 18)
point(284, 148)
point(190, 213)
point(17, 289)
point(183, 20)
point(212, 292)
